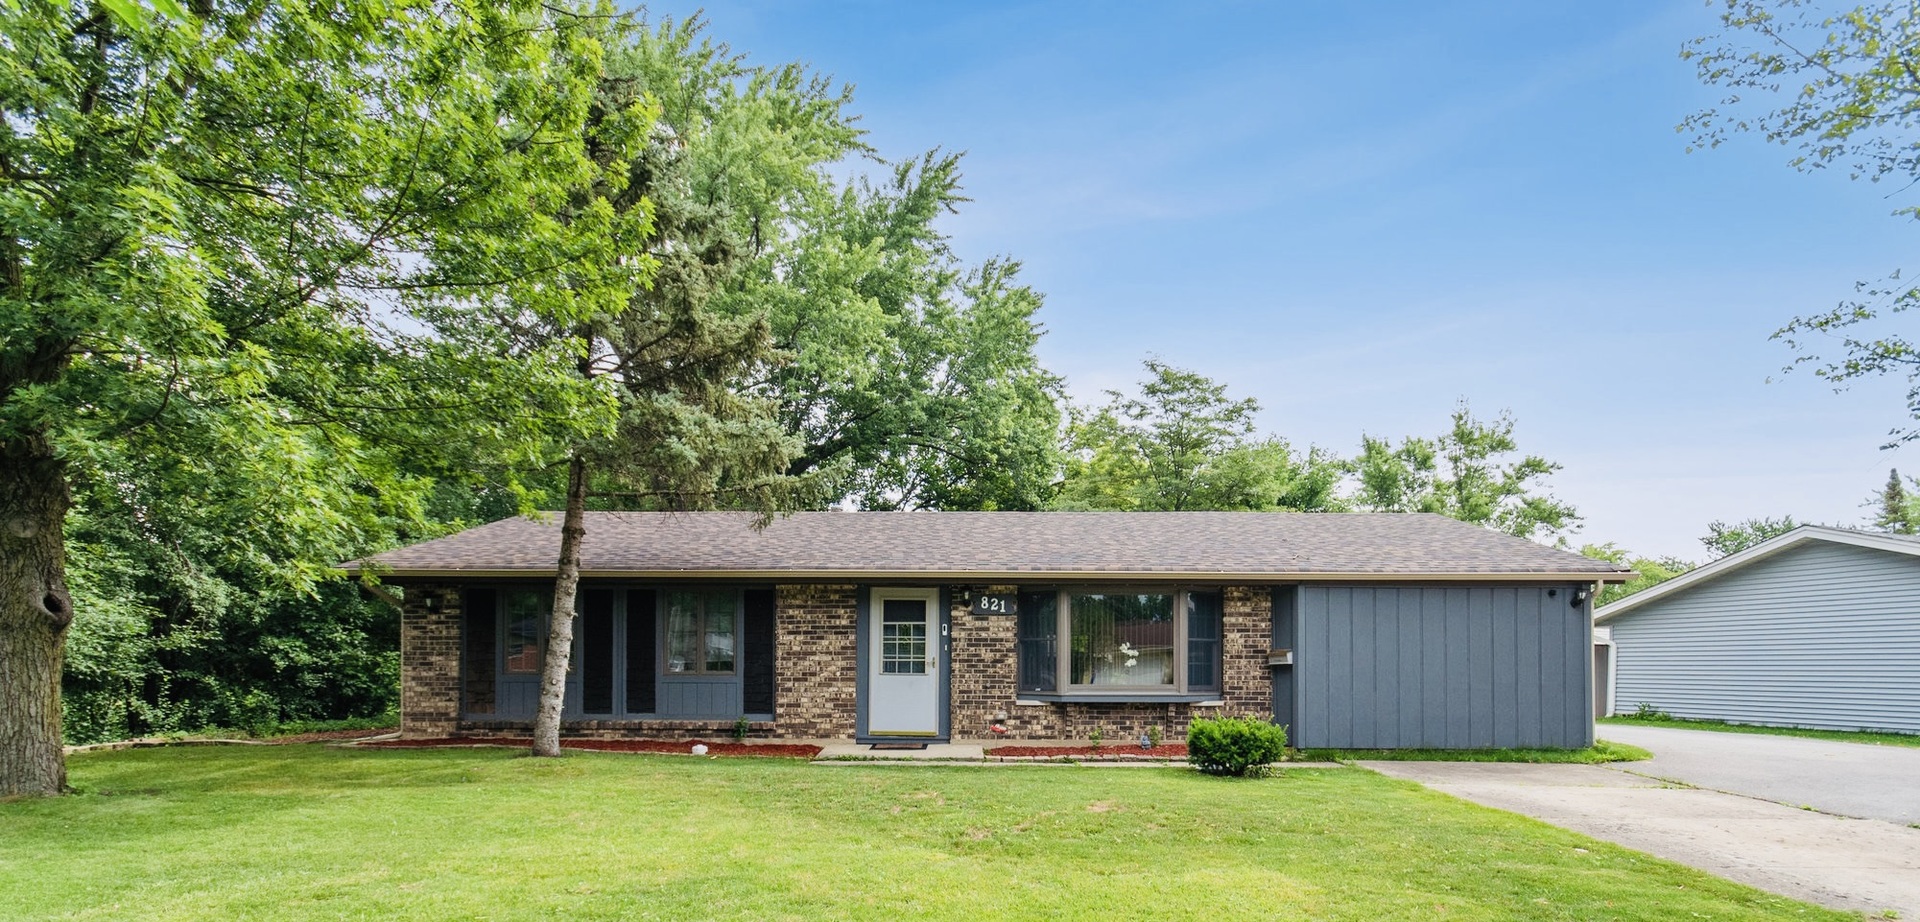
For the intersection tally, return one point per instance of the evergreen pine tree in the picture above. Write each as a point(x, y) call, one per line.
point(1896, 512)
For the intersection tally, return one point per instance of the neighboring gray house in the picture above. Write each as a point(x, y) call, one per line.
point(1819, 627)
point(1355, 630)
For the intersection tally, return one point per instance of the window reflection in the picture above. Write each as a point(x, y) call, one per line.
point(526, 611)
point(700, 630)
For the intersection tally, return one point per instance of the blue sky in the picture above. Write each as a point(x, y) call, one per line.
point(1361, 213)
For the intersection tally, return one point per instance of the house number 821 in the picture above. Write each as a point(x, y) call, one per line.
point(993, 605)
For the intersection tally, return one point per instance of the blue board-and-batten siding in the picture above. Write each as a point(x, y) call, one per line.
point(1441, 667)
point(1820, 635)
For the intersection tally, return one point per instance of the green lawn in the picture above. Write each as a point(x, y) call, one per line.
point(308, 832)
point(1845, 736)
point(1600, 752)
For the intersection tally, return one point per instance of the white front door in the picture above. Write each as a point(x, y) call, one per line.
point(903, 673)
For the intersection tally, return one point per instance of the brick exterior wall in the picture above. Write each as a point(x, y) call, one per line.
point(816, 676)
point(983, 668)
point(1247, 634)
point(984, 689)
point(815, 662)
point(430, 662)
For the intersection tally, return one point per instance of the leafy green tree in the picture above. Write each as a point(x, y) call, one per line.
point(1652, 571)
point(1267, 474)
point(243, 250)
point(1723, 539)
point(1845, 92)
point(1469, 473)
point(911, 372)
point(1183, 444)
point(186, 617)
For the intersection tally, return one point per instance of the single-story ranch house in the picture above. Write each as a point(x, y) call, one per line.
point(1819, 627)
point(1363, 630)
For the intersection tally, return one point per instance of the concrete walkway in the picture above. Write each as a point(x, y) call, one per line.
point(1850, 779)
point(934, 752)
point(1858, 864)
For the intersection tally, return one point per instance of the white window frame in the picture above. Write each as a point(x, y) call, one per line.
point(926, 661)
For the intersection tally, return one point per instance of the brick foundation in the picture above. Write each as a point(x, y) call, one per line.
point(430, 661)
point(710, 730)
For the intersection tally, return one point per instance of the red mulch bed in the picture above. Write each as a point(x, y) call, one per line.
point(1162, 751)
point(682, 747)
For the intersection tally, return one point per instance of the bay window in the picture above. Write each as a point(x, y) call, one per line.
point(1092, 641)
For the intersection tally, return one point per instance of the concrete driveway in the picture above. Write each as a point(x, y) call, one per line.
point(1850, 779)
point(1867, 865)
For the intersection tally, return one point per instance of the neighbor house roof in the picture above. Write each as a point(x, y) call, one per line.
point(1898, 544)
point(999, 545)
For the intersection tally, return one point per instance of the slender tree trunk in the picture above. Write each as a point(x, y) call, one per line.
point(566, 587)
point(35, 610)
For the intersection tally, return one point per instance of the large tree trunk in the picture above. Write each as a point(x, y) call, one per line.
point(566, 587)
point(35, 610)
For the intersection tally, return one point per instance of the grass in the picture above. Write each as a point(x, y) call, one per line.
point(1601, 751)
point(1846, 736)
point(312, 832)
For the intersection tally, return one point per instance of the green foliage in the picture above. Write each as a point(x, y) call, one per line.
point(1896, 510)
point(223, 253)
point(741, 727)
point(390, 270)
point(1652, 570)
point(732, 146)
point(1841, 88)
point(1234, 746)
point(1646, 711)
point(912, 374)
point(184, 619)
point(1723, 539)
point(1183, 444)
point(271, 270)
point(1468, 474)
point(1095, 736)
point(900, 376)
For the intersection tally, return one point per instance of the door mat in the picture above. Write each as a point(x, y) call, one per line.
point(896, 747)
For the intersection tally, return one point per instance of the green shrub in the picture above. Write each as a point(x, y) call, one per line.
point(1237, 746)
point(1647, 711)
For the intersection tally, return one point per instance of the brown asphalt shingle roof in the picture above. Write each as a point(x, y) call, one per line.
point(911, 544)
